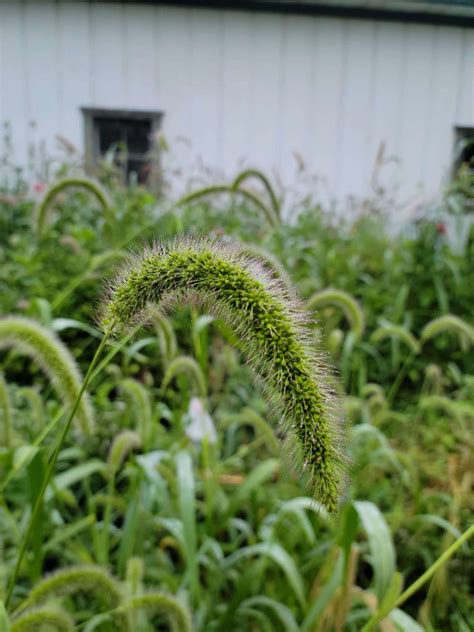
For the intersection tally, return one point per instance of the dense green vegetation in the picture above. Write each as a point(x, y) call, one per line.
point(175, 502)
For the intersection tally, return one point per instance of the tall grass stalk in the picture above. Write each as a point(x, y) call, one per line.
point(49, 472)
point(417, 584)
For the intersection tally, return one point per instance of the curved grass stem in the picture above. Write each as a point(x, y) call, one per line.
point(417, 584)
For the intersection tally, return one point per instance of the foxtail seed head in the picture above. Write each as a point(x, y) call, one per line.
point(41, 214)
point(255, 173)
point(6, 415)
point(270, 329)
point(46, 618)
point(54, 358)
point(139, 398)
point(122, 445)
point(347, 303)
point(390, 330)
point(153, 603)
point(185, 365)
point(166, 336)
point(269, 212)
point(69, 581)
point(449, 323)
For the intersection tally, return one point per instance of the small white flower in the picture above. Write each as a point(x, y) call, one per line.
point(199, 423)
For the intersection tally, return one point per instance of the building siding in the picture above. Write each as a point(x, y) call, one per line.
point(246, 88)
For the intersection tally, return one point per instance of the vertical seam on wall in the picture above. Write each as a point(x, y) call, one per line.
point(59, 39)
point(460, 78)
point(156, 65)
point(398, 135)
point(279, 132)
point(341, 107)
point(24, 66)
point(220, 82)
point(124, 17)
point(370, 127)
point(92, 74)
point(429, 115)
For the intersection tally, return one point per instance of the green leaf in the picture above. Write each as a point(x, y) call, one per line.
point(130, 530)
point(441, 522)
point(324, 596)
point(260, 475)
point(278, 554)
point(75, 474)
point(4, 620)
point(382, 551)
point(68, 532)
point(283, 613)
point(187, 510)
point(393, 591)
point(60, 324)
point(404, 622)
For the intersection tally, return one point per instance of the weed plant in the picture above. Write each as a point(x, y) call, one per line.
point(143, 525)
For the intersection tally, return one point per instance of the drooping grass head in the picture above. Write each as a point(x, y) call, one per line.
point(42, 211)
point(270, 329)
point(38, 343)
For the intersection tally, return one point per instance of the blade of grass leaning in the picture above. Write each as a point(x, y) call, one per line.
point(282, 558)
point(75, 474)
point(382, 551)
point(24, 457)
point(4, 620)
point(131, 528)
point(404, 622)
point(262, 473)
point(6, 414)
point(187, 510)
point(282, 612)
point(324, 597)
point(67, 533)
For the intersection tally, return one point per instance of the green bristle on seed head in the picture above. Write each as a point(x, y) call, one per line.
point(270, 329)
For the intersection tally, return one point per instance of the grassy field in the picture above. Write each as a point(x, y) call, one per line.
point(177, 499)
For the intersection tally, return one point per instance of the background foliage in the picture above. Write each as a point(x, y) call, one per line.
point(223, 522)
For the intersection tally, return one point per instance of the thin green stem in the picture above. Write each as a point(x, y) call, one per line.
point(105, 534)
point(427, 575)
point(112, 353)
point(400, 376)
point(50, 470)
point(38, 441)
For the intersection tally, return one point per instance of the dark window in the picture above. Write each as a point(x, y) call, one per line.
point(464, 148)
point(129, 136)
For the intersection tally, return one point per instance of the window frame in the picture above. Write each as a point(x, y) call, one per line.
point(91, 138)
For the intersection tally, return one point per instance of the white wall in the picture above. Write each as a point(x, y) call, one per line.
point(245, 88)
